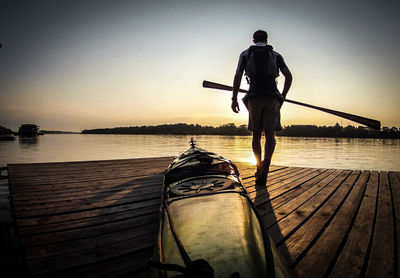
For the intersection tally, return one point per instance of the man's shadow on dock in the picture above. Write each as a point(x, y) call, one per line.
point(264, 207)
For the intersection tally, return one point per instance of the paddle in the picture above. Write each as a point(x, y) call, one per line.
point(358, 119)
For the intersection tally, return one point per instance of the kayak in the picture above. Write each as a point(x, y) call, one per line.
point(208, 225)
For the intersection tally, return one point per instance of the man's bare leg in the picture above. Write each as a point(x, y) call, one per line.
point(270, 143)
point(256, 145)
point(263, 169)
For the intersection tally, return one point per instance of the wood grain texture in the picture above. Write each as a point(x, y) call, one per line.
point(355, 250)
point(395, 190)
point(327, 245)
point(381, 263)
point(307, 233)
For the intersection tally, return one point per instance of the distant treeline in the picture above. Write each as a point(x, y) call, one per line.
point(232, 129)
point(4, 130)
point(178, 129)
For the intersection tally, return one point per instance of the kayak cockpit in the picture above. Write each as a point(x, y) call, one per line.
point(198, 162)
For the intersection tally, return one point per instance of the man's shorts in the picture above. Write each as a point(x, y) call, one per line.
point(264, 114)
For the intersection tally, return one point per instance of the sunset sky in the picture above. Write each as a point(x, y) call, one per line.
point(72, 65)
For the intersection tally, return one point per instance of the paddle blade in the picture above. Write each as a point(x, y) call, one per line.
point(355, 118)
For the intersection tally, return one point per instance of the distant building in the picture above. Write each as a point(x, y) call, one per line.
point(29, 130)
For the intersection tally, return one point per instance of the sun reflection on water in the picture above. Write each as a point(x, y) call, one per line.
point(252, 159)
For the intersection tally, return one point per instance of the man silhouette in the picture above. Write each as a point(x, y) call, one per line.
point(262, 65)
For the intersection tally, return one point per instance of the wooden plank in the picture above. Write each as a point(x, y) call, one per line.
point(282, 181)
point(317, 260)
point(46, 212)
point(86, 214)
point(395, 191)
point(129, 263)
point(135, 172)
point(18, 170)
point(246, 169)
point(381, 263)
point(86, 222)
point(271, 217)
point(275, 182)
point(39, 182)
point(248, 178)
point(48, 197)
point(89, 256)
point(78, 163)
point(81, 245)
point(274, 176)
point(261, 194)
point(88, 176)
point(292, 190)
point(263, 198)
point(142, 274)
point(128, 272)
point(297, 242)
point(284, 227)
point(82, 188)
point(51, 168)
point(85, 201)
point(265, 195)
point(354, 252)
point(84, 171)
point(89, 231)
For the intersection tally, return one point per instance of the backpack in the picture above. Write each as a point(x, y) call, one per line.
point(261, 64)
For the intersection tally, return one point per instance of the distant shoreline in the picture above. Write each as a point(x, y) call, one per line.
point(231, 129)
point(59, 132)
point(335, 131)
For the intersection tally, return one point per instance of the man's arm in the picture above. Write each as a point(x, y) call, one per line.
point(237, 80)
point(288, 81)
point(236, 85)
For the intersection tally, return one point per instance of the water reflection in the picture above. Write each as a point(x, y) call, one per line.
point(342, 153)
point(28, 142)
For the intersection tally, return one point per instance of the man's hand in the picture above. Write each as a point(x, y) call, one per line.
point(235, 106)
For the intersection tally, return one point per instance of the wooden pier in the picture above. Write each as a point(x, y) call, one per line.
point(99, 218)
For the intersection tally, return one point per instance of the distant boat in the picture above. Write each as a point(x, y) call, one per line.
point(29, 130)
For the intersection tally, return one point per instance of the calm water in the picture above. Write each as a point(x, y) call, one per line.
point(373, 154)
